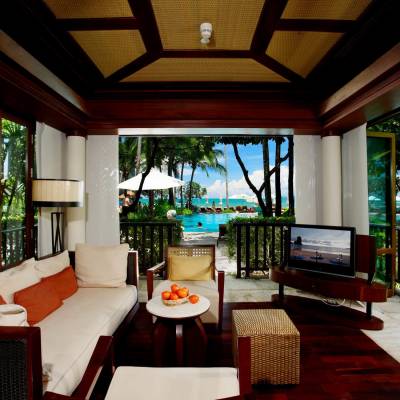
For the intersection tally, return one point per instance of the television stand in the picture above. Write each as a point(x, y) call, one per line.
point(357, 289)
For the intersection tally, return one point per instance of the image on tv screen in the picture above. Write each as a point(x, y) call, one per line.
point(321, 246)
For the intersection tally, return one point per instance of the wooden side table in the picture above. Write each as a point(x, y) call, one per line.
point(182, 322)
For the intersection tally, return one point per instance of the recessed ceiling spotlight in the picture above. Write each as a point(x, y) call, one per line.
point(205, 32)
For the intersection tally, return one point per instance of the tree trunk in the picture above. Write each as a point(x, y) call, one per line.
point(171, 197)
point(183, 166)
point(194, 166)
point(290, 177)
point(267, 177)
point(278, 194)
point(150, 164)
point(256, 191)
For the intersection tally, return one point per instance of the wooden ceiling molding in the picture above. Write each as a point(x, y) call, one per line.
point(122, 50)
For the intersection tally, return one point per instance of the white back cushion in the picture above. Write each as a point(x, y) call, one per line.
point(18, 278)
point(101, 266)
point(52, 265)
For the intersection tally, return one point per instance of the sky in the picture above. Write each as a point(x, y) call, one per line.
point(252, 158)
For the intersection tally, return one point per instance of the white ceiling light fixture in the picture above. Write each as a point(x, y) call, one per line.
point(205, 32)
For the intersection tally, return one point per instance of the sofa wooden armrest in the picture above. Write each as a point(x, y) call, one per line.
point(101, 364)
point(221, 288)
point(150, 277)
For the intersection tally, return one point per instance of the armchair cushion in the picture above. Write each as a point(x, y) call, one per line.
point(192, 383)
point(187, 268)
point(101, 266)
point(208, 289)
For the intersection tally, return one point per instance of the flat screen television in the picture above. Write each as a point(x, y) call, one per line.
point(322, 249)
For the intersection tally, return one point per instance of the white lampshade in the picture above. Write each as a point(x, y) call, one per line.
point(57, 193)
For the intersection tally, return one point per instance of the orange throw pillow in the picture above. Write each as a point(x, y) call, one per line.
point(64, 283)
point(2, 301)
point(39, 300)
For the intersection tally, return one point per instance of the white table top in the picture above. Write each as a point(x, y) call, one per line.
point(156, 307)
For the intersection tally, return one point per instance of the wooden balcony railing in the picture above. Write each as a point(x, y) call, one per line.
point(149, 238)
point(13, 245)
point(258, 246)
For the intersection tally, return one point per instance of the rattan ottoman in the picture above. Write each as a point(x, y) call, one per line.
point(275, 345)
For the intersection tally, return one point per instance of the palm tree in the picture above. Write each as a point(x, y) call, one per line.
point(127, 154)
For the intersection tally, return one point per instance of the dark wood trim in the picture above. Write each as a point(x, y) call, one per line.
point(143, 11)
point(314, 25)
point(221, 288)
point(331, 132)
point(211, 53)
point(29, 209)
point(279, 68)
point(132, 67)
point(269, 17)
point(77, 132)
point(26, 95)
point(38, 31)
point(372, 34)
point(93, 24)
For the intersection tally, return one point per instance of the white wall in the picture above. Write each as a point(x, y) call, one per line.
point(307, 179)
point(102, 225)
point(355, 179)
point(50, 146)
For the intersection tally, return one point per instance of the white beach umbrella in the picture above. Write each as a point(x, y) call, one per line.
point(155, 180)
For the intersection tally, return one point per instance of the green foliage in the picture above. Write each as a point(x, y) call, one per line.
point(197, 190)
point(185, 211)
point(271, 257)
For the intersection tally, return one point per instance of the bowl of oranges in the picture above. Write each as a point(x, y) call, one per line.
point(177, 295)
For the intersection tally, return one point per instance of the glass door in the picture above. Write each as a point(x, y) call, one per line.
point(15, 191)
point(381, 151)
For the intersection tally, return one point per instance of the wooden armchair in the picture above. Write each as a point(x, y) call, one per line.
point(136, 382)
point(212, 288)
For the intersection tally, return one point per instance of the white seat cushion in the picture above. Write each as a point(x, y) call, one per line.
point(207, 289)
point(171, 383)
point(69, 335)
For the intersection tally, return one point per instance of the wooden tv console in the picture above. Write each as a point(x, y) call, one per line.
point(331, 286)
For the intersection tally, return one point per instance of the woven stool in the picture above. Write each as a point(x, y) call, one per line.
point(275, 345)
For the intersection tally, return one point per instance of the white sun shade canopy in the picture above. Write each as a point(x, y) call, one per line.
point(155, 180)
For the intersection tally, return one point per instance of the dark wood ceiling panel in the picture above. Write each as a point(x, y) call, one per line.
point(314, 25)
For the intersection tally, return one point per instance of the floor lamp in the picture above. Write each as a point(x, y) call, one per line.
point(58, 193)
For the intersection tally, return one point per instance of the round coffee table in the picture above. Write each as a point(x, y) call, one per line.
point(183, 322)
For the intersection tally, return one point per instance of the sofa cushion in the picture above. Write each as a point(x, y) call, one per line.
point(39, 300)
point(208, 289)
point(63, 283)
point(101, 266)
point(12, 315)
point(18, 278)
point(185, 268)
point(52, 265)
point(70, 334)
point(171, 383)
point(2, 301)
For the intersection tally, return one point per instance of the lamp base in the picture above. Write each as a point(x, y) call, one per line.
point(57, 231)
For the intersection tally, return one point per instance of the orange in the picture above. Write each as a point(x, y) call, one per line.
point(165, 295)
point(183, 292)
point(194, 298)
point(174, 296)
point(174, 288)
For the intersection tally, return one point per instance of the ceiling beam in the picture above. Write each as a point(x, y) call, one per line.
point(279, 68)
point(131, 68)
point(314, 25)
point(269, 17)
point(143, 11)
point(97, 24)
point(206, 54)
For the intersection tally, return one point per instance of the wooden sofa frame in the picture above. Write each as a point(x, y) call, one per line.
point(101, 365)
point(162, 268)
point(32, 335)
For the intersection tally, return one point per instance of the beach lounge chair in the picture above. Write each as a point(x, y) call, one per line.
point(218, 210)
point(203, 209)
point(184, 265)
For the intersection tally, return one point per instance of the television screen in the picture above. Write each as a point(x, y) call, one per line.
point(324, 249)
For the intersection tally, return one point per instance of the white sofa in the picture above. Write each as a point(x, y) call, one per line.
point(70, 333)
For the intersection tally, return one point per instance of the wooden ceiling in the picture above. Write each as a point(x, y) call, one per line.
point(130, 46)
